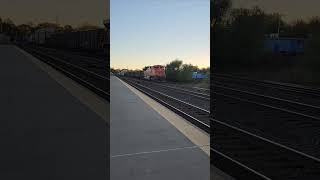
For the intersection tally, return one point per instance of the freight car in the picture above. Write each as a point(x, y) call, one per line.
point(135, 74)
point(123, 72)
point(40, 36)
point(198, 76)
point(285, 45)
point(96, 41)
point(156, 72)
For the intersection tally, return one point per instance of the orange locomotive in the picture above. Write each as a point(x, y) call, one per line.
point(156, 72)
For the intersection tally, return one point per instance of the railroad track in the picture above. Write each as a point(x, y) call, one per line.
point(204, 90)
point(84, 56)
point(265, 137)
point(196, 115)
point(299, 94)
point(98, 66)
point(277, 85)
point(297, 123)
point(198, 99)
point(193, 89)
point(244, 155)
point(94, 81)
point(290, 106)
point(201, 95)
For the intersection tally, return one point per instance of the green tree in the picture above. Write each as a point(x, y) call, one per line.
point(106, 24)
point(218, 9)
point(313, 43)
point(185, 73)
point(314, 25)
point(274, 22)
point(47, 25)
point(1, 25)
point(172, 70)
point(145, 68)
point(243, 34)
point(87, 26)
point(299, 28)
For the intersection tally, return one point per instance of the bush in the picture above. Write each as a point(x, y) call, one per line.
point(185, 72)
point(172, 70)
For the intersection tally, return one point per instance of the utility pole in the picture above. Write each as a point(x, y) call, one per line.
point(57, 19)
point(279, 24)
point(279, 19)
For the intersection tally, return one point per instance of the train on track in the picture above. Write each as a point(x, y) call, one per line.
point(134, 74)
point(90, 40)
point(95, 40)
point(156, 72)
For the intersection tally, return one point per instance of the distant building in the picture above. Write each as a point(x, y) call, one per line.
point(284, 45)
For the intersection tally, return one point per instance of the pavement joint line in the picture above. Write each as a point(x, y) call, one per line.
point(98, 105)
point(196, 135)
point(157, 151)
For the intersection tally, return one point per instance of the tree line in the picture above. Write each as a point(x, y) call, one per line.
point(239, 35)
point(177, 71)
point(238, 38)
point(8, 27)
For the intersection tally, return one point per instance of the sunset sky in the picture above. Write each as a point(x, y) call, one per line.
point(150, 32)
point(291, 9)
point(74, 12)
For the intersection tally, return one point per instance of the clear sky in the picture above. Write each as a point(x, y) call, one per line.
point(74, 12)
point(150, 32)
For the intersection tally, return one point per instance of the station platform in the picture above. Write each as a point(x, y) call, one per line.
point(146, 144)
point(47, 131)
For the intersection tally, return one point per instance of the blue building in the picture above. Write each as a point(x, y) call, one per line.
point(285, 45)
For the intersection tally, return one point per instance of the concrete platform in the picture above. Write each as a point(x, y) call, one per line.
point(46, 131)
point(145, 145)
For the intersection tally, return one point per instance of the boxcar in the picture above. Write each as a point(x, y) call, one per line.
point(91, 40)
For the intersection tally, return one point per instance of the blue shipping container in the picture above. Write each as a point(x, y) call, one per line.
point(197, 75)
point(285, 45)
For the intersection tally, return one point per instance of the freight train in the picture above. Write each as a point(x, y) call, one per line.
point(134, 74)
point(90, 40)
point(156, 72)
point(96, 40)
